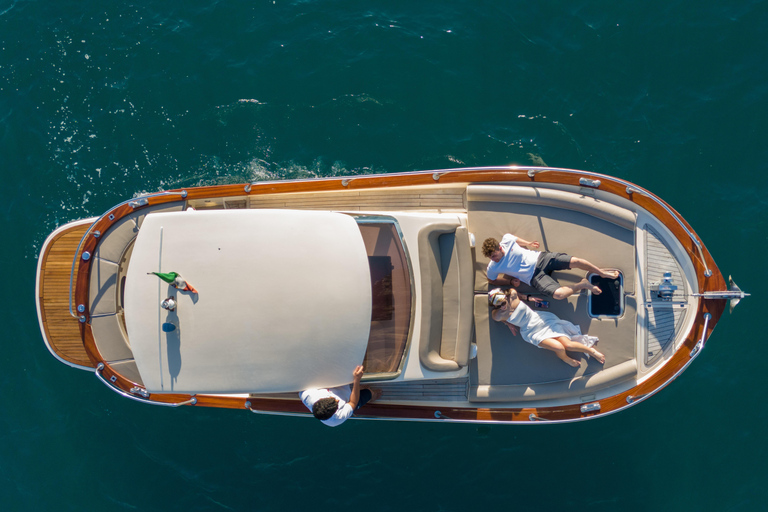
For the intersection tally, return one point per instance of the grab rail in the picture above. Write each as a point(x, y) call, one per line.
point(700, 345)
point(145, 394)
point(134, 203)
point(631, 189)
point(249, 406)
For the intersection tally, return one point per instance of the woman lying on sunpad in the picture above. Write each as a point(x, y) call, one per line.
point(543, 329)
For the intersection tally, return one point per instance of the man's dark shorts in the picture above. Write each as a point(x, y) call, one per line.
point(365, 397)
point(547, 263)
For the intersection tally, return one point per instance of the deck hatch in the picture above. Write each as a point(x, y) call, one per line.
point(610, 303)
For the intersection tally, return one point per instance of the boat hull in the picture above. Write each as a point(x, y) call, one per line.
point(441, 191)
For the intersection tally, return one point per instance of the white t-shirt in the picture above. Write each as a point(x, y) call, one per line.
point(517, 262)
point(341, 393)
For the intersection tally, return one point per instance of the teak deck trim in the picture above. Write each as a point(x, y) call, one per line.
point(62, 331)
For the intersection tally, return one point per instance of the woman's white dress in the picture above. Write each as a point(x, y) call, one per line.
point(536, 326)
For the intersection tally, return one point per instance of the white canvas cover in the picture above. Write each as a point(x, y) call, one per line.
point(284, 301)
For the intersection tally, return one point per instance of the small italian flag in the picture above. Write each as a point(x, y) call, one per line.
point(175, 280)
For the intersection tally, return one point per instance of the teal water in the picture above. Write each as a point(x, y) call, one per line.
point(100, 101)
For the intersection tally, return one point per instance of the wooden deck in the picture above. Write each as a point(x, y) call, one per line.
point(61, 329)
point(447, 199)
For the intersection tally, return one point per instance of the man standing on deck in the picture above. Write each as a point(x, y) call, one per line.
point(335, 405)
point(513, 261)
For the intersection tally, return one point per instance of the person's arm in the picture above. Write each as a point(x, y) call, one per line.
point(511, 306)
point(526, 244)
point(500, 316)
point(505, 280)
point(354, 398)
point(529, 298)
point(526, 297)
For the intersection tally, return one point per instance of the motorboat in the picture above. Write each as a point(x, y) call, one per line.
point(294, 283)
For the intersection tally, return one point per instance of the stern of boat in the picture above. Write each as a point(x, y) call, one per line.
point(56, 274)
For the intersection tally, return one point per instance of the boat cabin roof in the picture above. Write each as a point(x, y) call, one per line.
point(284, 301)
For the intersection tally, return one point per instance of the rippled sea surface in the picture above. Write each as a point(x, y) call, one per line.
point(100, 101)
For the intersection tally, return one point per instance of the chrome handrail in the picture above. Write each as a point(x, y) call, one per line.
point(700, 345)
point(145, 394)
point(249, 406)
point(135, 202)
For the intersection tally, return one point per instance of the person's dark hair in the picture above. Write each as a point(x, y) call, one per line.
point(490, 246)
point(324, 408)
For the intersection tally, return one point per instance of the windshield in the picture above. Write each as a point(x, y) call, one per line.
point(391, 287)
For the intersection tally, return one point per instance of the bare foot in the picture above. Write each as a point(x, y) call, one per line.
point(573, 362)
point(586, 285)
point(597, 355)
point(609, 274)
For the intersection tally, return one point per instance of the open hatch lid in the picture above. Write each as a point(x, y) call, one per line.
point(284, 301)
